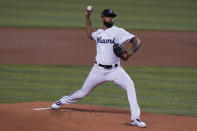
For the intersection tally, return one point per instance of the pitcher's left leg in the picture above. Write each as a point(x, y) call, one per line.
point(95, 77)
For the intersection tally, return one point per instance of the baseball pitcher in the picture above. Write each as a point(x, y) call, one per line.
point(109, 47)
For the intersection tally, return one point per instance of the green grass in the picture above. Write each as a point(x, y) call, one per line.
point(170, 90)
point(132, 14)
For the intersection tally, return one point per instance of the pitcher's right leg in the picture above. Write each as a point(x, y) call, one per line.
point(94, 78)
point(121, 78)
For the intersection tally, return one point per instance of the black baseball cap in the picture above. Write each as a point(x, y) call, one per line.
point(108, 13)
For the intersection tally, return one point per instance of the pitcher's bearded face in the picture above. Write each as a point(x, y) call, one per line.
point(108, 21)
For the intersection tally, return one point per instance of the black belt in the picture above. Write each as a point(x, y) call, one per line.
point(105, 66)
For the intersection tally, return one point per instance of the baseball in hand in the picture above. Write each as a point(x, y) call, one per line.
point(89, 8)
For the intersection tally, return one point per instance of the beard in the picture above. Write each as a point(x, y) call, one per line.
point(108, 24)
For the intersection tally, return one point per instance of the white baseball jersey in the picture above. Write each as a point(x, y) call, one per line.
point(105, 40)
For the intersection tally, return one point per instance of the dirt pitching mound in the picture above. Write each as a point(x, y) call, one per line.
point(22, 117)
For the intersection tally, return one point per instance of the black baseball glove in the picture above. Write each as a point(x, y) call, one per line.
point(120, 51)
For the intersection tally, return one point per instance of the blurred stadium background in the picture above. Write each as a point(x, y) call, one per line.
point(132, 14)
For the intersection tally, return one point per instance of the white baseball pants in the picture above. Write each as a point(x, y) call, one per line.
point(99, 75)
